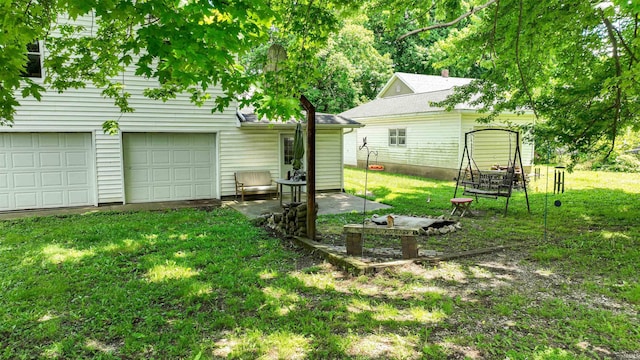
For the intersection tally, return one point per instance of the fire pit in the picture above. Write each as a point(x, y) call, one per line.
point(426, 226)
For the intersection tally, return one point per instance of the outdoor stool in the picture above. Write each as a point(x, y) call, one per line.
point(461, 205)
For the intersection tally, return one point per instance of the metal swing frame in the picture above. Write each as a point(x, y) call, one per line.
point(487, 183)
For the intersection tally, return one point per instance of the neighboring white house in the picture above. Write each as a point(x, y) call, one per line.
point(56, 154)
point(413, 137)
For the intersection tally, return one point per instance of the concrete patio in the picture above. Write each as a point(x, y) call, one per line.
point(328, 203)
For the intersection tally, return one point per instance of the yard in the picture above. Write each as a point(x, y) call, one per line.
point(199, 284)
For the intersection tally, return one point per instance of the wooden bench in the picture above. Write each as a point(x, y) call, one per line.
point(254, 182)
point(407, 237)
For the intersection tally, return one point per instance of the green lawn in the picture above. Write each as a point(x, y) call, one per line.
point(195, 284)
point(596, 230)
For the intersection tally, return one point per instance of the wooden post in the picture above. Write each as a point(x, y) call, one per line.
point(311, 166)
point(354, 244)
point(409, 246)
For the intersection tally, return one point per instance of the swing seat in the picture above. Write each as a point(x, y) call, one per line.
point(491, 184)
point(495, 183)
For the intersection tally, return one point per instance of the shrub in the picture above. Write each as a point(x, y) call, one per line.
point(621, 163)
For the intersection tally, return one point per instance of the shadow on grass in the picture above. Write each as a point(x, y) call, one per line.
point(188, 284)
point(184, 283)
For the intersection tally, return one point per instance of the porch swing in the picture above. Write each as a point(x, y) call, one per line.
point(495, 180)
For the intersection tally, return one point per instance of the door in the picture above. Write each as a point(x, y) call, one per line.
point(169, 167)
point(286, 155)
point(46, 170)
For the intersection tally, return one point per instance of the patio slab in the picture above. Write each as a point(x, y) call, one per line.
point(328, 203)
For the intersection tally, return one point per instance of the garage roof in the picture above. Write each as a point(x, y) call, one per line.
point(248, 118)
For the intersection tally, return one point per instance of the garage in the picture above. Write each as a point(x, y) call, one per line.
point(169, 166)
point(46, 170)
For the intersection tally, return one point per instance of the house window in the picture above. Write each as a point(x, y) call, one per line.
point(397, 137)
point(34, 65)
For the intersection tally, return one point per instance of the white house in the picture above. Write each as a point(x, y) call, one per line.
point(56, 154)
point(411, 136)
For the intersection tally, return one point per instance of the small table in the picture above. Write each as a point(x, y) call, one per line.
point(296, 188)
point(461, 204)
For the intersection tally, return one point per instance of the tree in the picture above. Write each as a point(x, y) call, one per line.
point(390, 20)
point(351, 71)
point(188, 46)
point(574, 62)
point(22, 23)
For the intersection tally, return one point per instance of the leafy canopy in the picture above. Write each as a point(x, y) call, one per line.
point(389, 20)
point(187, 45)
point(22, 23)
point(574, 62)
point(351, 70)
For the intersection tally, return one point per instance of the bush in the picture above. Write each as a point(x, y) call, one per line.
point(621, 163)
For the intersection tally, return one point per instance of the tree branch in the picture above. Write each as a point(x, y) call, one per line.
point(494, 32)
point(618, 100)
point(624, 44)
point(519, 64)
point(586, 128)
point(450, 23)
point(26, 10)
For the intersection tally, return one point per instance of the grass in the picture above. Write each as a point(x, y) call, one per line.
point(595, 225)
point(194, 284)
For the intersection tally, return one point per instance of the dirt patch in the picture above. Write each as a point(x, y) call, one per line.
point(496, 295)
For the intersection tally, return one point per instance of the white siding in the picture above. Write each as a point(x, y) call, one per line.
point(247, 149)
point(329, 160)
point(432, 140)
point(490, 148)
point(259, 149)
point(85, 110)
point(397, 87)
point(109, 168)
point(501, 143)
point(350, 144)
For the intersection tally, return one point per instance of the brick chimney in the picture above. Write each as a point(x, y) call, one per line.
point(445, 73)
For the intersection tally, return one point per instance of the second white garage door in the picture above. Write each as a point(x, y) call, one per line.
point(168, 167)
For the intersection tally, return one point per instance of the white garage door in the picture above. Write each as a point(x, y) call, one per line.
point(167, 167)
point(45, 170)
